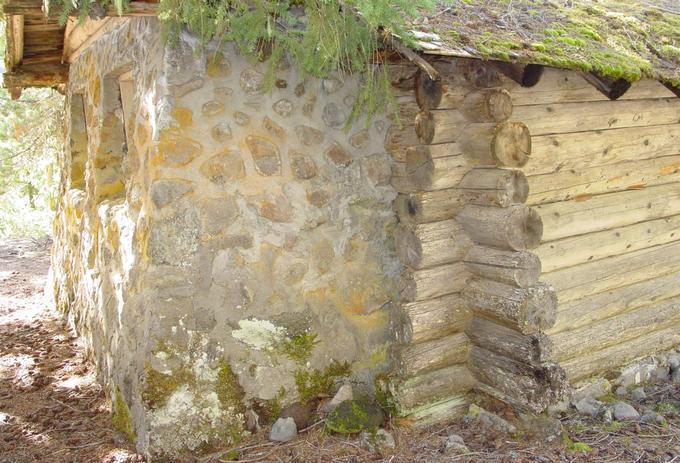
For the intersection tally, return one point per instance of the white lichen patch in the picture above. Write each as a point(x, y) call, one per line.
point(259, 334)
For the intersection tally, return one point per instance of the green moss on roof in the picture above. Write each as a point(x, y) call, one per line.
point(616, 38)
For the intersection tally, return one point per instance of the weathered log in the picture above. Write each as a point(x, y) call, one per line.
point(597, 115)
point(580, 249)
point(595, 277)
point(428, 92)
point(584, 150)
point(609, 87)
point(436, 126)
point(398, 138)
point(581, 312)
point(603, 179)
point(526, 309)
point(534, 349)
point(440, 173)
point(43, 75)
point(432, 319)
point(488, 105)
point(617, 329)
point(431, 244)
point(509, 143)
point(527, 387)
point(431, 387)
point(437, 412)
point(587, 365)
point(527, 75)
point(419, 285)
point(517, 268)
point(515, 227)
point(429, 206)
point(415, 359)
point(505, 186)
point(675, 89)
point(31, 7)
point(591, 214)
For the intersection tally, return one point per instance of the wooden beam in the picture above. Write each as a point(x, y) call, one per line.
point(673, 88)
point(527, 75)
point(611, 88)
point(47, 75)
point(34, 7)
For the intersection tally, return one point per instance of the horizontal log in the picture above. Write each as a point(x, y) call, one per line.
point(504, 186)
point(436, 173)
point(526, 387)
point(437, 126)
point(526, 75)
point(438, 412)
point(534, 349)
point(527, 310)
point(572, 315)
point(591, 214)
point(429, 206)
point(516, 227)
point(43, 75)
point(580, 249)
point(431, 244)
point(516, 268)
point(613, 357)
point(28, 7)
point(416, 359)
point(430, 283)
point(432, 319)
point(567, 184)
point(617, 329)
point(590, 278)
point(580, 151)
point(597, 115)
point(431, 387)
point(613, 89)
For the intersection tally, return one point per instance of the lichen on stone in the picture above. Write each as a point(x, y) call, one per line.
point(259, 334)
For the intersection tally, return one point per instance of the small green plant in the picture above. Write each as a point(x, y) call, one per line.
point(315, 383)
point(299, 348)
point(575, 447)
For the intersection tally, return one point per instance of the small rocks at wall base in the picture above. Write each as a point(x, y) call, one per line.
point(638, 394)
point(301, 414)
point(625, 412)
point(588, 406)
point(456, 443)
point(675, 376)
point(636, 374)
point(652, 418)
point(283, 430)
point(380, 441)
point(344, 393)
point(490, 420)
point(541, 428)
point(594, 389)
point(621, 391)
point(252, 421)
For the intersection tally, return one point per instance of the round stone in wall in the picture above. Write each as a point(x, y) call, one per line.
point(283, 107)
point(309, 136)
point(331, 85)
point(303, 166)
point(360, 139)
point(212, 108)
point(224, 167)
point(221, 132)
point(265, 155)
point(251, 81)
point(241, 118)
point(339, 155)
point(333, 116)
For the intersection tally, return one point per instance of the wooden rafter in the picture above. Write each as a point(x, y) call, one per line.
point(611, 88)
point(527, 75)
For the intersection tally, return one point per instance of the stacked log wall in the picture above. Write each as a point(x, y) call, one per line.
point(605, 178)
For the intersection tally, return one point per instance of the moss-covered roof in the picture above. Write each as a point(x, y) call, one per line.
point(631, 39)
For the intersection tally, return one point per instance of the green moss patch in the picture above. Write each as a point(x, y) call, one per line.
point(314, 383)
point(299, 348)
point(122, 419)
point(354, 416)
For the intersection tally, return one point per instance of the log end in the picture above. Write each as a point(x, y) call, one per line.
point(425, 127)
point(408, 246)
point(511, 144)
point(525, 229)
point(517, 186)
point(541, 306)
point(428, 92)
point(499, 105)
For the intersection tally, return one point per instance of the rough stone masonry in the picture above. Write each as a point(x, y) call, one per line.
point(223, 250)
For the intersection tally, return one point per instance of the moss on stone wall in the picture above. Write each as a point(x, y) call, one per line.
point(314, 383)
point(122, 419)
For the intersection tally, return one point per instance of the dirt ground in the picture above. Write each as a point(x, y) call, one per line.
point(52, 410)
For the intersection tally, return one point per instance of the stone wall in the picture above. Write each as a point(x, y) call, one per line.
point(238, 254)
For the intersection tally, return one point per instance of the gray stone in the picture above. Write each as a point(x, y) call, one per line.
point(283, 430)
point(212, 108)
point(165, 191)
point(490, 420)
point(360, 139)
point(594, 389)
point(377, 442)
point(251, 81)
point(662, 373)
point(377, 168)
point(174, 239)
point(636, 374)
point(652, 418)
point(223, 168)
point(265, 155)
point(674, 361)
point(344, 393)
point(675, 376)
point(588, 406)
point(241, 118)
point(333, 116)
point(608, 416)
point(331, 85)
point(456, 443)
point(221, 132)
point(283, 107)
point(223, 92)
point(217, 214)
point(541, 428)
point(624, 412)
point(621, 391)
point(339, 155)
point(303, 166)
point(638, 394)
point(309, 136)
point(252, 421)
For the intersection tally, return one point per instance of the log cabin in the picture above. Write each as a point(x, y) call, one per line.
point(511, 227)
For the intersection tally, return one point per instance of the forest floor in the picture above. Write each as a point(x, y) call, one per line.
point(52, 409)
